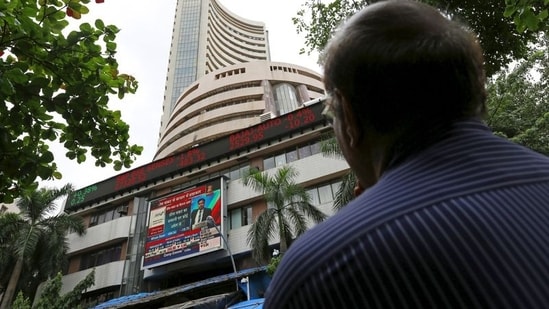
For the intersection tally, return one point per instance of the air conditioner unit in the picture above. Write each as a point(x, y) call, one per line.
point(123, 210)
point(265, 117)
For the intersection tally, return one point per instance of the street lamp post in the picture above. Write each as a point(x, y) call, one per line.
point(210, 220)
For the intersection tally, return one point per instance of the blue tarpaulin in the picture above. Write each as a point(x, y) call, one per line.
point(141, 298)
point(249, 304)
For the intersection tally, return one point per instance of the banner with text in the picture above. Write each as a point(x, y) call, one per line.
point(184, 224)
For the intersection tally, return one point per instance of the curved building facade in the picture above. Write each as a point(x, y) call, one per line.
point(233, 98)
point(206, 37)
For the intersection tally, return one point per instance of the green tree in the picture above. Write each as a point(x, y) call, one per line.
point(51, 296)
point(499, 37)
point(34, 242)
point(528, 14)
point(518, 101)
point(288, 207)
point(55, 87)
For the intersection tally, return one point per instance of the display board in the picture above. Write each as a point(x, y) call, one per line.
point(269, 130)
point(178, 225)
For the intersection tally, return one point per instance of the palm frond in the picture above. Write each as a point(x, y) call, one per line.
point(27, 241)
point(345, 193)
point(329, 146)
point(63, 222)
point(297, 220)
point(311, 211)
point(259, 234)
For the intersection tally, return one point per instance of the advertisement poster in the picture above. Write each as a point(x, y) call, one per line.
point(183, 224)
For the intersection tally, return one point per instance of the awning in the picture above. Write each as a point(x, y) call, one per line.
point(142, 298)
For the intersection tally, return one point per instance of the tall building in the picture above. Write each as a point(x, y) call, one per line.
point(227, 109)
point(233, 98)
point(207, 37)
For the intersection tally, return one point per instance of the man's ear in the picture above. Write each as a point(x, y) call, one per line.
point(350, 124)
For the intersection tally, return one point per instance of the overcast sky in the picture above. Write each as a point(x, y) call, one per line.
point(143, 47)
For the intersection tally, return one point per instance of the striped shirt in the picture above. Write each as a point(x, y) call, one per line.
point(463, 224)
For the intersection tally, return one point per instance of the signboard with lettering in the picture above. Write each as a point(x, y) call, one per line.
point(185, 224)
point(266, 131)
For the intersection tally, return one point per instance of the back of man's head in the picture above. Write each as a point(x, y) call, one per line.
point(402, 66)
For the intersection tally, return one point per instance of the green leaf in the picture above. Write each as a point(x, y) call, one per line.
point(99, 24)
point(86, 28)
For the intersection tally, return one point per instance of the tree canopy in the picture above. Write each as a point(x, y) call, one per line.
point(528, 14)
point(502, 40)
point(54, 87)
point(518, 100)
point(51, 295)
point(33, 243)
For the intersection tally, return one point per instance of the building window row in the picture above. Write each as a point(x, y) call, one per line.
point(211, 122)
point(324, 193)
point(108, 214)
point(100, 257)
point(230, 73)
point(212, 107)
point(291, 154)
point(233, 87)
point(282, 68)
point(320, 194)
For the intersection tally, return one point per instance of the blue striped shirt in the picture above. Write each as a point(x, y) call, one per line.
point(463, 224)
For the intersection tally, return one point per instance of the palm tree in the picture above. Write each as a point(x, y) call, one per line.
point(287, 212)
point(34, 241)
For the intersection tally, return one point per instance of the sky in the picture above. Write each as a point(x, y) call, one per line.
point(142, 51)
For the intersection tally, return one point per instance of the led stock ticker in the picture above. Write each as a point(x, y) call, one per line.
point(269, 130)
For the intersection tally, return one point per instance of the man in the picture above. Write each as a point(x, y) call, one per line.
point(453, 216)
point(200, 214)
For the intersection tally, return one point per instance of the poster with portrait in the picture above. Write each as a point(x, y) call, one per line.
point(184, 224)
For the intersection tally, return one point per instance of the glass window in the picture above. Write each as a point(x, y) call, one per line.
point(240, 217)
point(280, 159)
point(291, 156)
point(285, 98)
point(244, 170)
point(335, 187)
point(235, 216)
point(247, 217)
point(109, 214)
point(304, 151)
point(325, 194)
point(315, 148)
point(118, 212)
point(313, 194)
point(100, 257)
point(101, 218)
point(234, 174)
point(268, 163)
